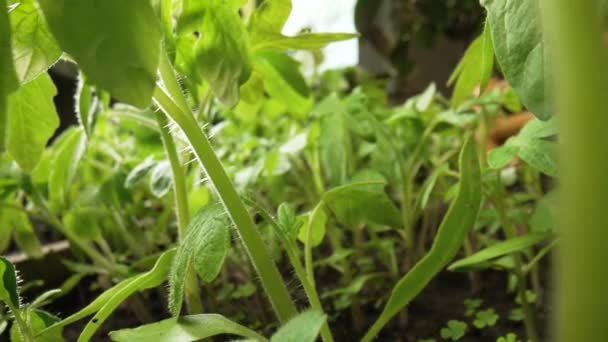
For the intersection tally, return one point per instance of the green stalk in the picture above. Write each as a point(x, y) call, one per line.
point(24, 329)
point(193, 298)
point(294, 258)
point(509, 230)
point(269, 274)
point(307, 247)
point(83, 245)
point(581, 74)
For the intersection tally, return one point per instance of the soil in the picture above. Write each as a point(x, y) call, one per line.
point(442, 300)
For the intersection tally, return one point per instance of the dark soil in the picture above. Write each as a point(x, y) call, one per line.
point(441, 301)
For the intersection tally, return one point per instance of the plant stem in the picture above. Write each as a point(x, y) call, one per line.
point(308, 247)
point(509, 231)
point(294, 258)
point(574, 30)
point(24, 329)
point(254, 245)
point(84, 246)
point(193, 298)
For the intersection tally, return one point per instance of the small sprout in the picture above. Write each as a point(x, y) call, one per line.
point(472, 304)
point(485, 318)
point(244, 291)
point(517, 315)
point(428, 340)
point(455, 330)
point(510, 337)
point(530, 296)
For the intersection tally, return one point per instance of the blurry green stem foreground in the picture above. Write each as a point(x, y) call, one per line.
point(581, 74)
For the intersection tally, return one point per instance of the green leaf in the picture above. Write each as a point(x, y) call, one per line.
point(65, 162)
point(38, 320)
point(475, 68)
point(316, 222)
point(520, 51)
point(161, 178)
point(267, 23)
point(288, 220)
point(32, 121)
point(204, 247)
point(23, 233)
point(86, 103)
point(221, 53)
point(139, 172)
point(34, 48)
point(485, 318)
point(107, 302)
point(283, 81)
point(116, 43)
point(269, 18)
point(84, 222)
point(544, 218)
point(424, 100)
point(305, 327)
point(9, 290)
point(8, 81)
point(459, 219)
point(501, 156)
point(304, 41)
point(363, 202)
point(502, 248)
point(531, 146)
point(455, 330)
point(183, 329)
point(332, 145)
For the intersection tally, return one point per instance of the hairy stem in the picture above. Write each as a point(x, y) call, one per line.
point(270, 277)
point(193, 298)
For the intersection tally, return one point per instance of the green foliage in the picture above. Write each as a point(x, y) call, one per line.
point(482, 258)
point(185, 328)
point(510, 337)
point(303, 328)
point(34, 47)
point(475, 68)
point(267, 23)
point(107, 302)
point(221, 53)
point(485, 318)
point(472, 304)
point(203, 248)
point(9, 292)
point(363, 202)
point(360, 183)
point(315, 227)
point(283, 81)
point(520, 50)
point(108, 43)
point(7, 69)
point(459, 219)
point(532, 146)
point(66, 157)
point(31, 122)
point(455, 330)
point(17, 224)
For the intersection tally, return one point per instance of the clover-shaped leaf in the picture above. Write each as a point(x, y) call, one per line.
point(485, 318)
point(517, 315)
point(455, 330)
point(510, 337)
point(530, 297)
point(472, 304)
